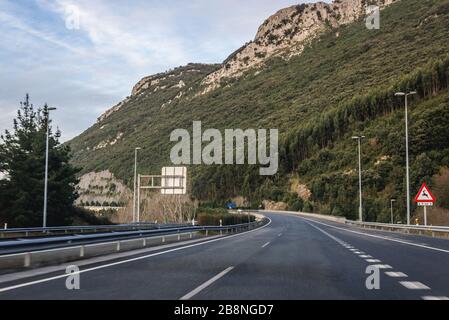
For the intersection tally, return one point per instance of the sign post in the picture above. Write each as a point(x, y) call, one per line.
point(425, 199)
point(172, 181)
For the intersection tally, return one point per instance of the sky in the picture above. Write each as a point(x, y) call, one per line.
point(84, 56)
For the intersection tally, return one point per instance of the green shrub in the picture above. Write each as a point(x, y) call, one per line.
point(212, 217)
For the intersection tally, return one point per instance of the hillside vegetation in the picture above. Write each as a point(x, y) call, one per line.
point(342, 84)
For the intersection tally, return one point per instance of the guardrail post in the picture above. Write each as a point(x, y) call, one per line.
point(179, 236)
point(144, 242)
point(207, 232)
point(82, 252)
point(27, 260)
point(191, 235)
point(163, 239)
point(118, 245)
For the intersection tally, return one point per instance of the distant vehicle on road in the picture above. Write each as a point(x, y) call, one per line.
point(231, 205)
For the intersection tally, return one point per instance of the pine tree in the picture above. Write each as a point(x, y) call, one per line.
point(22, 158)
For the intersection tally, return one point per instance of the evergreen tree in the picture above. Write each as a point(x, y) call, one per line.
point(22, 158)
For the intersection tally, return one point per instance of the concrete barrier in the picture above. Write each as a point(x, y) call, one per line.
point(14, 262)
point(312, 215)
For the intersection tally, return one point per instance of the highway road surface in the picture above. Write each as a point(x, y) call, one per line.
point(290, 258)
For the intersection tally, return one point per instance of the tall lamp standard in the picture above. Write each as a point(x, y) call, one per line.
point(405, 95)
point(44, 223)
point(135, 181)
point(359, 140)
point(391, 207)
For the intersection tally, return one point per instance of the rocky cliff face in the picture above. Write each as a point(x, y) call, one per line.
point(102, 187)
point(175, 83)
point(287, 32)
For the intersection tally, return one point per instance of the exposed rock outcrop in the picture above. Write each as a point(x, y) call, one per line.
point(286, 33)
point(98, 188)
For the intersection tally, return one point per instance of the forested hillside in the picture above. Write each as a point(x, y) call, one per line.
point(342, 84)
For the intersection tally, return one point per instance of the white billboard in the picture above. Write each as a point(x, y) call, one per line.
point(174, 180)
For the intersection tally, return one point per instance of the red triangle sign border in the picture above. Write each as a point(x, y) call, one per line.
point(432, 198)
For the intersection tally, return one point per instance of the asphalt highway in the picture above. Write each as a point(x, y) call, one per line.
point(290, 258)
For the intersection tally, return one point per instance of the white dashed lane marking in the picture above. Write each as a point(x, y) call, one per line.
point(411, 285)
point(434, 298)
point(383, 266)
point(266, 244)
point(396, 274)
point(414, 285)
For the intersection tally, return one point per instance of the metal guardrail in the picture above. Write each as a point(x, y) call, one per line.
point(77, 239)
point(27, 232)
point(415, 229)
point(72, 248)
point(434, 231)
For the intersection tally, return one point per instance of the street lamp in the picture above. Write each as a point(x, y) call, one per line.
point(359, 140)
point(405, 95)
point(391, 206)
point(135, 181)
point(44, 223)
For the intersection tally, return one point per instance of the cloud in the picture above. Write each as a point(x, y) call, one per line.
point(84, 72)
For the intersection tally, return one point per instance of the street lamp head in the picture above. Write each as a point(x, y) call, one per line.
point(397, 94)
point(412, 93)
point(138, 148)
point(358, 137)
point(51, 109)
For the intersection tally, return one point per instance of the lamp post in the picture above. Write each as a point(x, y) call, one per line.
point(135, 179)
point(359, 140)
point(391, 207)
point(44, 223)
point(405, 95)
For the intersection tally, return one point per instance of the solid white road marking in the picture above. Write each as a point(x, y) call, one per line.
point(327, 234)
point(90, 261)
point(414, 285)
point(365, 256)
point(378, 237)
point(280, 234)
point(26, 284)
point(206, 284)
point(373, 260)
point(266, 244)
point(396, 274)
point(435, 298)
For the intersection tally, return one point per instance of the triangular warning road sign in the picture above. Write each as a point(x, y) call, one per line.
point(424, 195)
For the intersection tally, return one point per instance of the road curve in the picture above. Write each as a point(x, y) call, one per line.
point(291, 258)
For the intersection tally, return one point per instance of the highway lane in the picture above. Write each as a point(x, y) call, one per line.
point(292, 258)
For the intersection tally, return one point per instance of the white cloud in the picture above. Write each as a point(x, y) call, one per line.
point(138, 39)
point(84, 72)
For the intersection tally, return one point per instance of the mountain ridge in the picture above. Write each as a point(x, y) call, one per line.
point(343, 80)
